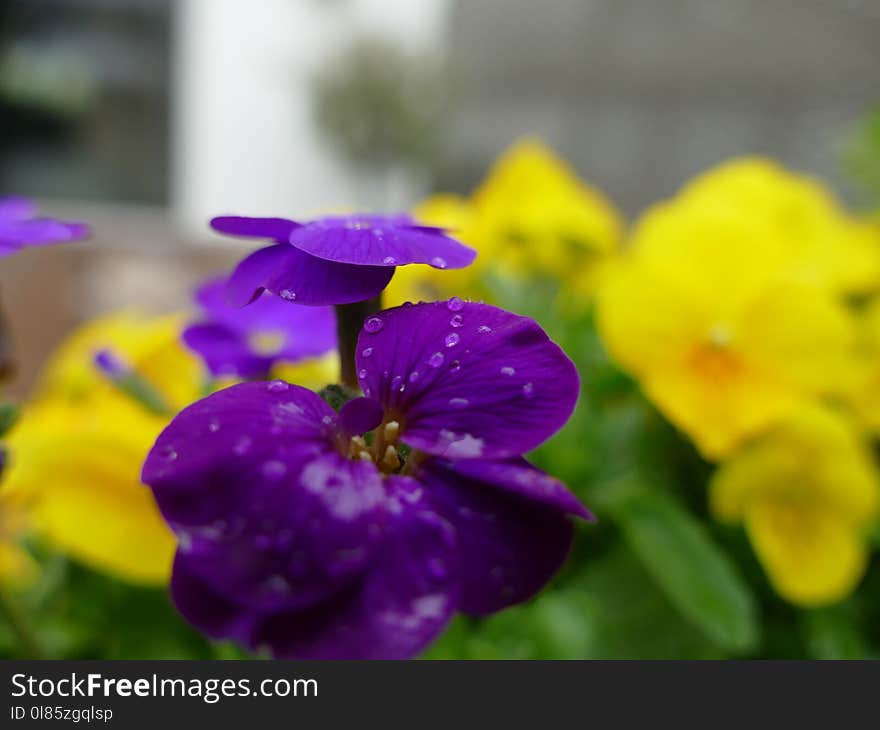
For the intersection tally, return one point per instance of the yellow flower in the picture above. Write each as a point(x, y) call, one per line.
point(313, 373)
point(17, 567)
point(704, 310)
point(531, 217)
point(77, 450)
point(823, 242)
point(807, 492)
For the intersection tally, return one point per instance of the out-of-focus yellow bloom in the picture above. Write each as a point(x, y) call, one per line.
point(807, 492)
point(704, 309)
point(313, 373)
point(77, 450)
point(821, 240)
point(17, 567)
point(864, 397)
point(531, 217)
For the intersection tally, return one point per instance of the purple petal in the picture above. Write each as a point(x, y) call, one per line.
point(298, 277)
point(468, 380)
point(40, 232)
point(403, 603)
point(380, 241)
point(194, 464)
point(517, 477)
point(17, 208)
point(225, 351)
point(290, 521)
point(360, 415)
point(207, 610)
point(276, 229)
point(511, 545)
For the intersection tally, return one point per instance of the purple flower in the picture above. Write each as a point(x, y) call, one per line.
point(334, 260)
point(359, 534)
point(246, 342)
point(19, 228)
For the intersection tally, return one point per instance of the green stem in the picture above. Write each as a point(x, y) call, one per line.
point(349, 321)
point(24, 635)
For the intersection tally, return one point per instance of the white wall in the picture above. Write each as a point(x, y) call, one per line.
point(243, 137)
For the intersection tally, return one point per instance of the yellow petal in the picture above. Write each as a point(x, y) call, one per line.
point(811, 557)
point(815, 456)
point(80, 467)
point(17, 568)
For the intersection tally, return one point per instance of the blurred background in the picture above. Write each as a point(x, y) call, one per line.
point(147, 117)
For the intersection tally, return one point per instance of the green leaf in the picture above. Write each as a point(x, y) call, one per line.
point(8, 417)
point(695, 574)
point(834, 633)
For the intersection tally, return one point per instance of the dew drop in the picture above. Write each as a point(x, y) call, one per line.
point(274, 469)
point(362, 373)
point(287, 294)
point(214, 426)
point(455, 304)
point(528, 390)
point(438, 262)
point(277, 386)
point(436, 360)
point(455, 366)
point(484, 329)
point(170, 454)
point(413, 376)
point(243, 445)
point(452, 339)
point(373, 325)
point(456, 320)
point(507, 370)
point(388, 261)
point(395, 382)
point(459, 402)
point(437, 569)
point(366, 352)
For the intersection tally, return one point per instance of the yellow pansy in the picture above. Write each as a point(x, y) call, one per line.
point(705, 311)
point(77, 450)
point(17, 567)
point(822, 241)
point(807, 492)
point(531, 217)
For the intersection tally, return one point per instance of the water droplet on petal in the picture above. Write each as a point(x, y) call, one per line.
point(455, 304)
point(277, 386)
point(388, 261)
point(436, 360)
point(274, 469)
point(413, 376)
point(373, 324)
point(366, 352)
point(214, 425)
point(455, 366)
point(362, 373)
point(287, 294)
point(484, 329)
point(395, 382)
point(170, 453)
point(243, 445)
point(452, 339)
point(459, 402)
point(528, 390)
point(456, 320)
point(507, 370)
point(437, 569)
point(438, 262)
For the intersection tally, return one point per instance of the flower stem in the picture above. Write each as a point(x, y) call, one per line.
point(349, 320)
point(25, 637)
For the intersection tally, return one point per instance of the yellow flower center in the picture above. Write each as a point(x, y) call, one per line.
point(266, 343)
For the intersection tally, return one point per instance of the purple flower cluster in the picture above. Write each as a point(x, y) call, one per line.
point(247, 341)
point(20, 228)
point(359, 534)
point(334, 260)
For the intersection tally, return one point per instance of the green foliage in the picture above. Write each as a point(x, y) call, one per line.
point(862, 156)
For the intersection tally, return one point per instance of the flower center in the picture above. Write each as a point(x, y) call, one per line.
point(381, 447)
point(266, 343)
